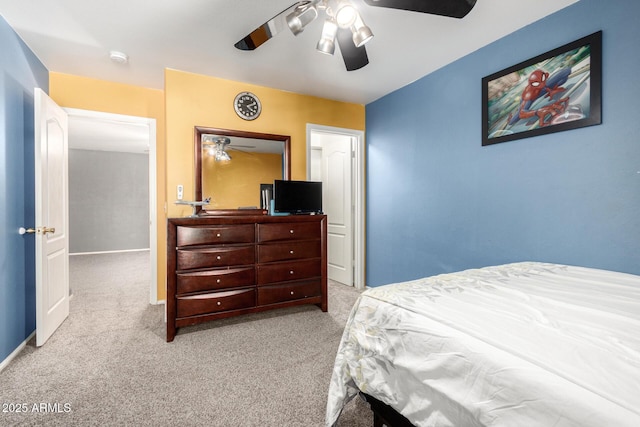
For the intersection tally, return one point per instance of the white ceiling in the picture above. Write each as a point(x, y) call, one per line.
point(75, 37)
point(103, 133)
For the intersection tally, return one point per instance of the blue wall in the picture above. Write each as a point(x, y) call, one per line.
point(438, 201)
point(20, 72)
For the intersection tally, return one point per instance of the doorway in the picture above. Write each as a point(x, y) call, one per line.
point(335, 156)
point(121, 134)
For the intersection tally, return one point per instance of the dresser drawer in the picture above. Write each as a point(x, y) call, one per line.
point(286, 271)
point(215, 235)
point(199, 281)
point(288, 250)
point(288, 231)
point(280, 293)
point(193, 305)
point(215, 257)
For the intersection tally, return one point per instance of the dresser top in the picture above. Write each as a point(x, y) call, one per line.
point(244, 219)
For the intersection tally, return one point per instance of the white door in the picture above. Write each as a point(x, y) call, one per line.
point(52, 219)
point(337, 204)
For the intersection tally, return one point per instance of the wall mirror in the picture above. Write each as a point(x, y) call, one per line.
point(230, 165)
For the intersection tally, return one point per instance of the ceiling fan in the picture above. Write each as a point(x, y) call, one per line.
point(217, 146)
point(344, 24)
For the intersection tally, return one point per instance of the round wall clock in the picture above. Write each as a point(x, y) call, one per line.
point(247, 106)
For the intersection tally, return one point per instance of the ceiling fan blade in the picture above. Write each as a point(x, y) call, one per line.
point(267, 30)
point(354, 57)
point(450, 8)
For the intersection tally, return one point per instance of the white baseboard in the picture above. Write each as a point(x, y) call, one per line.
point(15, 352)
point(110, 252)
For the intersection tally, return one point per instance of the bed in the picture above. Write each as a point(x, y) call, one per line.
point(523, 344)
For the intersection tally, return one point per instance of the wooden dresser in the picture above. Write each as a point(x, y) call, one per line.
point(223, 266)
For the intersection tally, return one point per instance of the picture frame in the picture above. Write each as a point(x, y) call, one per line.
point(555, 91)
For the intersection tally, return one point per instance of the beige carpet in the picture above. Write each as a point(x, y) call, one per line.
point(109, 364)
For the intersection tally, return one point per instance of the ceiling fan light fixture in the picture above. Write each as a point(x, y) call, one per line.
point(301, 16)
point(346, 14)
point(327, 42)
point(215, 147)
point(361, 32)
point(221, 152)
point(222, 156)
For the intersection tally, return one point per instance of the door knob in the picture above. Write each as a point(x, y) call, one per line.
point(37, 230)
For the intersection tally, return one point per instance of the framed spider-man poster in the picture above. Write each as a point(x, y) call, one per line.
point(558, 90)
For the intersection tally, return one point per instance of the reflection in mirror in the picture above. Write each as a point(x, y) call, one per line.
point(231, 165)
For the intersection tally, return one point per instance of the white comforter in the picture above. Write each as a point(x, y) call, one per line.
point(524, 344)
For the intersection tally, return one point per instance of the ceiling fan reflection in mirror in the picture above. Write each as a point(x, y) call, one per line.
point(344, 23)
point(216, 146)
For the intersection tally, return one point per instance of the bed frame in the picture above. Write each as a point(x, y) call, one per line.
point(384, 415)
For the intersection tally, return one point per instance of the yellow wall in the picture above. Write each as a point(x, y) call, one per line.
point(195, 100)
point(98, 95)
point(237, 183)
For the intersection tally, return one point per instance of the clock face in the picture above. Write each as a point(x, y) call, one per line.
point(247, 105)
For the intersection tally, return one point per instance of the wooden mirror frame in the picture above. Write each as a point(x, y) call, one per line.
point(200, 130)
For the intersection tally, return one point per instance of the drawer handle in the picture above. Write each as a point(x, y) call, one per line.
point(218, 281)
point(218, 257)
point(291, 252)
point(218, 235)
point(290, 271)
point(219, 303)
point(291, 292)
point(291, 231)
